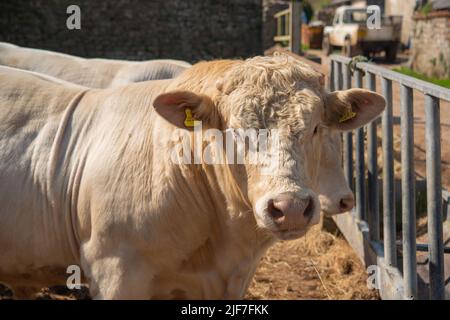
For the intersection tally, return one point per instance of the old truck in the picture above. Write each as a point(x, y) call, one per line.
point(351, 33)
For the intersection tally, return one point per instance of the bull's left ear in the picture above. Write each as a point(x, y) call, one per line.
point(186, 109)
point(352, 109)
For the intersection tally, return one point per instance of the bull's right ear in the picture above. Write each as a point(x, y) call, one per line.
point(186, 109)
point(352, 109)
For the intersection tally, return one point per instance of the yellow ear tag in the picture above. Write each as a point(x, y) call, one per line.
point(189, 121)
point(349, 114)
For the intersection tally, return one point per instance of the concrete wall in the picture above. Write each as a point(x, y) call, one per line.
point(137, 29)
point(431, 44)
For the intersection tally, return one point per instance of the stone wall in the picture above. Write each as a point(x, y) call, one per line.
point(137, 29)
point(431, 44)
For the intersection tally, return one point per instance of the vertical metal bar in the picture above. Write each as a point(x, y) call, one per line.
point(408, 194)
point(337, 75)
point(296, 27)
point(372, 165)
point(332, 75)
point(359, 163)
point(434, 197)
point(388, 178)
point(348, 136)
point(347, 77)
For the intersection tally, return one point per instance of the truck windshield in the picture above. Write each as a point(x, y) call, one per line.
point(355, 16)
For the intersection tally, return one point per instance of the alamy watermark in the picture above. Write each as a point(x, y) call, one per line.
point(74, 280)
point(374, 278)
point(73, 22)
point(373, 17)
point(232, 146)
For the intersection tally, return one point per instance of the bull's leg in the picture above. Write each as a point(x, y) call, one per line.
point(120, 274)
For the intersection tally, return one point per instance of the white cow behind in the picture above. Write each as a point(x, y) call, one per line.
point(93, 73)
point(87, 182)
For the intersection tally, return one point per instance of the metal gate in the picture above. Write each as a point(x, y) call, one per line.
point(374, 236)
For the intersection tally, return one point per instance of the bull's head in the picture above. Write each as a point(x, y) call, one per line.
point(283, 96)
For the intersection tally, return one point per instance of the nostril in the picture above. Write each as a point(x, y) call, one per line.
point(275, 213)
point(309, 208)
point(346, 204)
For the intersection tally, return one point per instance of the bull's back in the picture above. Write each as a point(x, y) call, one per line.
point(93, 73)
point(134, 72)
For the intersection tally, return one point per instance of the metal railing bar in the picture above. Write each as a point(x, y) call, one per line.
point(359, 162)
point(331, 77)
point(389, 231)
point(436, 247)
point(347, 77)
point(434, 197)
point(337, 75)
point(408, 193)
point(425, 87)
point(423, 247)
point(372, 166)
point(348, 136)
point(341, 59)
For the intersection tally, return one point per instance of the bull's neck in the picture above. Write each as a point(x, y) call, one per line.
point(234, 244)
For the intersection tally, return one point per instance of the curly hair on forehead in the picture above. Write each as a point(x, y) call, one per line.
point(259, 91)
point(272, 92)
point(280, 72)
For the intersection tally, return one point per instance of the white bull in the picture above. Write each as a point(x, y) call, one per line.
point(93, 73)
point(87, 182)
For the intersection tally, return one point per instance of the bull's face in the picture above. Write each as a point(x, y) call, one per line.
point(279, 183)
point(335, 195)
point(283, 100)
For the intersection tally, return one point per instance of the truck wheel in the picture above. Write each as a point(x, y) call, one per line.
point(391, 53)
point(347, 49)
point(326, 47)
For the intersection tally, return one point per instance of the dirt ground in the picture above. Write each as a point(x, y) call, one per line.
point(318, 266)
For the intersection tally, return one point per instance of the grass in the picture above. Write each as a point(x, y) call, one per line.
point(440, 82)
point(305, 47)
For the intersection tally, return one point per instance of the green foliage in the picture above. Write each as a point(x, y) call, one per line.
point(443, 62)
point(426, 8)
point(440, 82)
point(433, 62)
